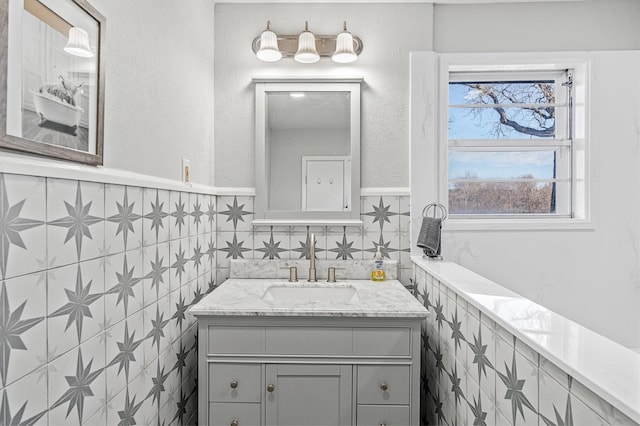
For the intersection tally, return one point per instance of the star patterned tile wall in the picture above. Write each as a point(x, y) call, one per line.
point(386, 225)
point(474, 372)
point(96, 282)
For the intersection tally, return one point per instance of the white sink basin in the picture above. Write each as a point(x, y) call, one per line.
point(311, 293)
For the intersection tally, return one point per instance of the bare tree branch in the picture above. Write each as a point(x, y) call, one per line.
point(540, 115)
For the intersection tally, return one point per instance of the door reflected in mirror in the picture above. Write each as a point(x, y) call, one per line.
point(307, 150)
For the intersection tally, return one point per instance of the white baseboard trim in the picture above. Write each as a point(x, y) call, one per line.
point(63, 170)
point(385, 192)
point(230, 191)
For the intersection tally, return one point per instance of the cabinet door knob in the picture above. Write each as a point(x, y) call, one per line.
point(384, 386)
point(233, 384)
point(270, 387)
point(383, 424)
point(234, 422)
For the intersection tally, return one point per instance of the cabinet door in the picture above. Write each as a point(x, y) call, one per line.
point(306, 395)
point(387, 415)
point(384, 384)
point(234, 414)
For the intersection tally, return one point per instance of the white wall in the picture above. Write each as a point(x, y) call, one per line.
point(159, 87)
point(389, 32)
point(591, 275)
point(546, 26)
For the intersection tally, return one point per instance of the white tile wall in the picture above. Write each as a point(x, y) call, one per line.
point(502, 381)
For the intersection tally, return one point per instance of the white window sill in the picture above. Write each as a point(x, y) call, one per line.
point(454, 225)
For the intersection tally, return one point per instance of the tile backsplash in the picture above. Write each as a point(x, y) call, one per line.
point(97, 279)
point(386, 224)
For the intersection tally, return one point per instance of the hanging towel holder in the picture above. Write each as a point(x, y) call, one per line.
point(435, 210)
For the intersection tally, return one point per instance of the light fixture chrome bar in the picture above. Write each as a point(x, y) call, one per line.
point(325, 45)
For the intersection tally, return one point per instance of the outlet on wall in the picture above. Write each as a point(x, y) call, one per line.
point(186, 170)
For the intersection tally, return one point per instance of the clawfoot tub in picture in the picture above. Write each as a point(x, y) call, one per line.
point(50, 108)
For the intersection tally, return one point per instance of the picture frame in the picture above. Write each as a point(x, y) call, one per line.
point(52, 73)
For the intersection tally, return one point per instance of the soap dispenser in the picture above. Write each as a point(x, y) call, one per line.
point(378, 273)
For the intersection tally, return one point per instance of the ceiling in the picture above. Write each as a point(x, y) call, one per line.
point(397, 1)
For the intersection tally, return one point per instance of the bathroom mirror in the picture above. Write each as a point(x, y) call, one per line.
point(307, 150)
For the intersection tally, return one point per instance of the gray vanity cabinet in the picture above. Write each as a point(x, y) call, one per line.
point(303, 394)
point(300, 371)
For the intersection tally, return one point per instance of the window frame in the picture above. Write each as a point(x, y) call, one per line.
point(561, 143)
point(580, 217)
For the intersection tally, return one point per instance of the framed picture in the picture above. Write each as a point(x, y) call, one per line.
point(52, 79)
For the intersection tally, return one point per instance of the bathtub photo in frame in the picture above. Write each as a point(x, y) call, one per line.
point(52, 79)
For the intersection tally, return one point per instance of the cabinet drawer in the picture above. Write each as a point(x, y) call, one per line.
point(234, 382)
point(388, 415)
point(309, 341)
point(384, 384)
point(224, 413)
point(235, 340)
point(382, 341)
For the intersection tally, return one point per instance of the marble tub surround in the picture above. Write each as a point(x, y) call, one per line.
point(244, 297)
point(345, 269)
point(492, 354)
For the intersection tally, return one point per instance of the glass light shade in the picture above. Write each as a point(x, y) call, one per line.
point(78, 43)
point(344, 49)
point(268, 51)
point(307, 53)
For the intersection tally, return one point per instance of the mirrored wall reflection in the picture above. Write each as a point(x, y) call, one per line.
point(308, 151)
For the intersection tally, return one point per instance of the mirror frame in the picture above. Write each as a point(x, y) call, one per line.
point(265, 85)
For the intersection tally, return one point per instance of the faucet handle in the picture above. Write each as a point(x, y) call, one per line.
point(293, 274)
point(331, 274)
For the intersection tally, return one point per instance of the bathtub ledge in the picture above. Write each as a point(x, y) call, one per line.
point(607, 368)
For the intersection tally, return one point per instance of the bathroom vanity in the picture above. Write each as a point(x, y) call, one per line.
point(278, 353)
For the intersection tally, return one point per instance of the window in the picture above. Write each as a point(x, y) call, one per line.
point(510, 144)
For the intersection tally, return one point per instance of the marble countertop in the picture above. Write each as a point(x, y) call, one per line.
point(345, 269)
point(243, 297)
point(609, 369)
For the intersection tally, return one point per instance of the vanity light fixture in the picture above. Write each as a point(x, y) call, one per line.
point(307, 53)
point(268, 46)
point(344, 47)
point(306, 47)
point(78, 43)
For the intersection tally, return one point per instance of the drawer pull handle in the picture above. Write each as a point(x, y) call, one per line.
point(270, 387)
point(383, 424)
point(384, 386)
point(235, 422)
point(233, 384)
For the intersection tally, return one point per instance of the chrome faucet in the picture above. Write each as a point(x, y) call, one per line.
point(312, 258)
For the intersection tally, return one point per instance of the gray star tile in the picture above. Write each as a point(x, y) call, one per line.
point(81, 386)
point(235, 213)
point(345, 249)
point(78, 305)
point(75, 231)
point(15, 325)
point(122, 289)
point(179, 214)
point(233, 247)
point(271, 249)
point(21, 225)
point(155, 219)
point(123, 217)
point(380, 212)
